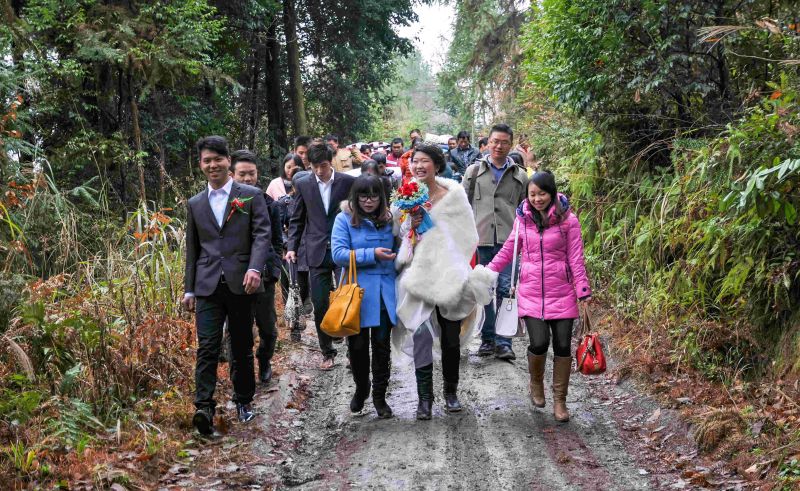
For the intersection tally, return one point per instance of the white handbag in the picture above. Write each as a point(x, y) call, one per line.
point(508, 323)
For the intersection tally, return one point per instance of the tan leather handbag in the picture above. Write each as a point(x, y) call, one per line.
point(343, 317)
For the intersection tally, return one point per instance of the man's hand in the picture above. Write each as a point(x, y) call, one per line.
point(290, 257)
point(384, 254)
point(252, 279)
point(188, 302)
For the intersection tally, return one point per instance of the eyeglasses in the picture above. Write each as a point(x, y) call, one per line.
point(368, 197)
point(500, 143)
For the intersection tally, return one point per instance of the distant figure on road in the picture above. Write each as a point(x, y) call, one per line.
point(552, 281)
point(464, 154)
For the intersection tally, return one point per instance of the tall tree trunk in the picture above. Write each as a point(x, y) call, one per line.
point(293, 60)
point(276, 134)
point(253, 98)
point(137, 136)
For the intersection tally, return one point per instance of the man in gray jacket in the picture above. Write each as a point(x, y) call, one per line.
point(227, 246)
point(495, 186)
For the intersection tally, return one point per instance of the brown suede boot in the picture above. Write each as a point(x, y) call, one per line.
point(562, 365)
point(536, 369)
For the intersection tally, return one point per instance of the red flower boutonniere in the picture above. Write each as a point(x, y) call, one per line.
point(237, 205)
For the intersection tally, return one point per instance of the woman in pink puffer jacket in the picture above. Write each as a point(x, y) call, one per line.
point(552, 280)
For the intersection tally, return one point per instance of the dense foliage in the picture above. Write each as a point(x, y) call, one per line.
point(684, 161)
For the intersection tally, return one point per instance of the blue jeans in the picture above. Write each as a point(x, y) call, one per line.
point(485, 256)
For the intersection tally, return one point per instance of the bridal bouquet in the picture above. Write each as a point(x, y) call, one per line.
point(410, 198)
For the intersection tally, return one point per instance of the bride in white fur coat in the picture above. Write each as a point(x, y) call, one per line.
point(437, 288)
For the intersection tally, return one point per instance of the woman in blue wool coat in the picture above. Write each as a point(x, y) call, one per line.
point(365, 226)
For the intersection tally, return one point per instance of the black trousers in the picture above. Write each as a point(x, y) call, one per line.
point(539, 333)
point(266, 319)
point(321, 280)
point(451, 348)
point(210, 315)
point(379, 337)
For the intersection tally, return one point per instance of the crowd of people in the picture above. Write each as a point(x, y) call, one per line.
point(426, 289)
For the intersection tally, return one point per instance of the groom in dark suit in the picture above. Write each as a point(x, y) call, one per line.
point(317, 199)
point(227, 243)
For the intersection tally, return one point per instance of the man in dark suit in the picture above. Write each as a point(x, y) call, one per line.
point(244, 166)
point(317, 198)
point(227, 242)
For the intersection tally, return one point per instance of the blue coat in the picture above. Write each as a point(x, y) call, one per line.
point(377, 278)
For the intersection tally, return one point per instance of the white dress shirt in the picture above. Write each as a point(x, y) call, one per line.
point(325, 190)
point(218, 199)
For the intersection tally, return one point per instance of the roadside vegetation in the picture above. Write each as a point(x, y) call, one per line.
point(674, 127)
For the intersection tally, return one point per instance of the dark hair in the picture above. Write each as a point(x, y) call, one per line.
point(416, 142)
point(517, 158)
point(379, 157)
point(214, 143)
point(546, 181)
point(330, 137)
point(367, 165)
point(297, 161)
point(417, 130)
point(368, 184)
point(243, 156)
point(397, 140)
point(363, 148)
point(452, 138)
point(502, 128)
point(483, 142)
point(302, 141)
point(434, 152)
point(462, 134)
point(319, 152)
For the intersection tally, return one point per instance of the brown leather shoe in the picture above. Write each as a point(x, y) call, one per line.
point(562, 365)
point(536, 370)
point(327, 364)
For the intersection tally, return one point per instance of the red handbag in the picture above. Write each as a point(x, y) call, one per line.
point(589, 355)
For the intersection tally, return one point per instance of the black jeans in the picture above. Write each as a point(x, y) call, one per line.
point(379, 337)
point(321, 280)
point(451, 348)
point(539, 334)
point(210, 315)
point(266, 318)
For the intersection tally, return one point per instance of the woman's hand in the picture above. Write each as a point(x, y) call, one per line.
point(416, 219)
point(384, 254)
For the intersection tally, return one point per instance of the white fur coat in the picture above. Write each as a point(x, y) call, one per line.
point(437, 271)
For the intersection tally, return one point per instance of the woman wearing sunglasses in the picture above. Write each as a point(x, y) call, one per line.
point(365, 226)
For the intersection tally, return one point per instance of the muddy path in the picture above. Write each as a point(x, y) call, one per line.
point(306, 438)
point(498, 442)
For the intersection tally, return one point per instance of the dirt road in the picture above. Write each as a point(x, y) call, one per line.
point(305, 437)
point(498, 442)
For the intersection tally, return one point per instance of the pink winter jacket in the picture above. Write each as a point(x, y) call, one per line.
point(552, 274)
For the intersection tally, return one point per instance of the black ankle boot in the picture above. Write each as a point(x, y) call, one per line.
point(451, 398)
point(424, 391)
point(357, 402)
point(383, 409)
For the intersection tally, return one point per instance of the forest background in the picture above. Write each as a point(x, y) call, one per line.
point(672, 126)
